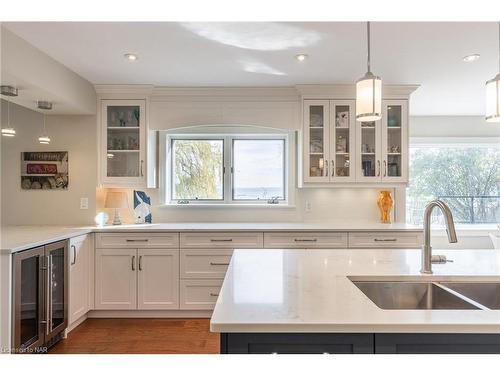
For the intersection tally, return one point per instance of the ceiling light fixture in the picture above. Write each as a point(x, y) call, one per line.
point(493, 92)
point(471, 58)
point(8, 91)
point(301, 56)
point(131, 56)
point(368, 91)
point(44, 139)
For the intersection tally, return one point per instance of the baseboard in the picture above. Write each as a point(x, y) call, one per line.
point(181, 314)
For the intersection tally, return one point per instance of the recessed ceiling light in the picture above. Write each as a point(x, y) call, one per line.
point(301, 56)
point(131, 56)
point(471, 58)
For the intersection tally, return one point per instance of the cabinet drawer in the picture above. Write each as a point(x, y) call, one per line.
point(229, 240)
point(199, 294)
point(205, 263)
point(403, 240)
point(136, 240)
point(289, 240)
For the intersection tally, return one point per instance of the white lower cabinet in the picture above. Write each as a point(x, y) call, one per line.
point(199, 294)
point(131, 279)
point(205, 263)
point(158, 279)
point(81, 279)
point(115, 279)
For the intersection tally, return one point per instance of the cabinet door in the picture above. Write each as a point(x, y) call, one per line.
point(116, 279)
point(342, 136)
point(158, 279)
point(79, 275)
point(123, 151)
point(316, 141)
point(395, 141)
point(368, 151)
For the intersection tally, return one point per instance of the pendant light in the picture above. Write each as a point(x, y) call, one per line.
point(44, 139)
point(368, 92)
point(8, 91)
point(493, 92)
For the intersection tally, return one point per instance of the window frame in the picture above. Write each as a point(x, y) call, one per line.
point(166, 169)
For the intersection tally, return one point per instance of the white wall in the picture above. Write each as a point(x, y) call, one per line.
point(75, 134)
point(452, 126)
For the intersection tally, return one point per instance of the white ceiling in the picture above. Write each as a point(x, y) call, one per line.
point(262, 54)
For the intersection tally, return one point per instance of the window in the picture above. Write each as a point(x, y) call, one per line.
point(258, 169)
point(227, 169)
point(466, 176)
point(197, 169)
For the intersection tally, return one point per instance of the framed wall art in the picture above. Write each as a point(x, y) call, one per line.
point(45, 170)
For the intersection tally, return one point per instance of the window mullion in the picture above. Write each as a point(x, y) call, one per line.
point(228, 176)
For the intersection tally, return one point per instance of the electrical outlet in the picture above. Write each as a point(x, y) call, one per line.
point(308, 206)
point(84, 203)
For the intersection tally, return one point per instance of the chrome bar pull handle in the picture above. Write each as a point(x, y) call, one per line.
point(385, 168)
point(48, 296)
point(214, 294)
point(142, 162)
point(378, 167)
point(73, 247)
point(133, 262)
point(221, 240)
point(332, 166)
point(385, 239)
point(326, 168)
point(140, 262)
point(305, 239)
point(219, 264)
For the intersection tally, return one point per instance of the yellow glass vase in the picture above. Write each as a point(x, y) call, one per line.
point(385, 204)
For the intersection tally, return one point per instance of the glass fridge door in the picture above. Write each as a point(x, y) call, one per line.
point(57, 285)
point(28, 299)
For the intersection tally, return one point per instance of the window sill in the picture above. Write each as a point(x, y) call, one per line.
point(229, 206)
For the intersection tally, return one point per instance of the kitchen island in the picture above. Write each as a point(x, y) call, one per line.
point(305, 301)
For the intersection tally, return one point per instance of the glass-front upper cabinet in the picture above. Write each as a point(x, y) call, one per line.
point(316, 141)
point(342, 129)
point(124, 143)
point(368, 149)
point(395, 141)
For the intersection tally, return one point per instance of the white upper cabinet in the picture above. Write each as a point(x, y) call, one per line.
point(123, 154)
point(337, 149)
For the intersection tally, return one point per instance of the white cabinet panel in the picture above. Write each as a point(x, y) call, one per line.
point(289, 240)
point(158, 279)
point(205, 263)
point(136, 240)
point(199, 294)
point(230, 240)
point(80, 282)
point(402, 240)
point(115, 279)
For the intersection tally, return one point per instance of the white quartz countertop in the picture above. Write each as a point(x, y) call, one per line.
point(18, 238)
point(309, 291)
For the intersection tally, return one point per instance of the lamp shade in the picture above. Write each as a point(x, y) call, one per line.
point(369, 98)
point(116, 200)
point(493, 99)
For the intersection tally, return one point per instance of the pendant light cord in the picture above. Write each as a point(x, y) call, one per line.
point(368, 44)
point(499, 46)
point(8, 113)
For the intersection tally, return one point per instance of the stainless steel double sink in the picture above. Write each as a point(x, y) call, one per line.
point(411, 294)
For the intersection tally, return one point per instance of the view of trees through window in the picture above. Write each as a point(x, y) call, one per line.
point(466, 177)
point(197, 171)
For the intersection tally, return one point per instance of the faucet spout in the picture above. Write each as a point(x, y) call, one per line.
point(450, 230)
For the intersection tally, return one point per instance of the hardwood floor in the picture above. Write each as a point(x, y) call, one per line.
point(140, 336)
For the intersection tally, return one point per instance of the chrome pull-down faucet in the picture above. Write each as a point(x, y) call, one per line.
point(450, 229)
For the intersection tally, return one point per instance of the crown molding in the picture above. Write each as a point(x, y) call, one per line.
point(143, 90)
point(348, 91)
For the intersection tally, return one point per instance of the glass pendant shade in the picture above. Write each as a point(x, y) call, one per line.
point(493, 99)
point(369, 98)
point(44, 139)
point(8, 132)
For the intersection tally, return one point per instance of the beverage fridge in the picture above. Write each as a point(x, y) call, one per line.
point(40, 297)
